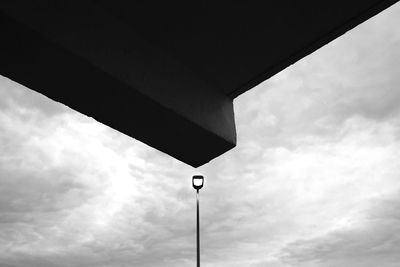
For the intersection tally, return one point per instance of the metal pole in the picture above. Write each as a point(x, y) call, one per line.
point(198, 231)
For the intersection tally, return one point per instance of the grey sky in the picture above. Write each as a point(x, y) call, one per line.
point(314, 180)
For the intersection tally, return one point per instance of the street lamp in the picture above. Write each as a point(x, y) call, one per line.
point(198, 181)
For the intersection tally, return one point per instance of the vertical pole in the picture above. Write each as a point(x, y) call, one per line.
point(198, 231)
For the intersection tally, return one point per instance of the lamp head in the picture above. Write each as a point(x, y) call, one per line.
point(198, 181)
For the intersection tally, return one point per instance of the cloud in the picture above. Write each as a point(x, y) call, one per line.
point(13, 96)
point(354, 75)
point(317, 144)
point(76, 192)
point(371, 241)
point(290, 194)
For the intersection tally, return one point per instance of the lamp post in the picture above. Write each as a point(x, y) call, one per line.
point(198, 181)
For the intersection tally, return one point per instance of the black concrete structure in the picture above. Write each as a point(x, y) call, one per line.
point(165, 72)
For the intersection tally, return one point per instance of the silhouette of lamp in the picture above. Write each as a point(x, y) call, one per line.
point(198, 182)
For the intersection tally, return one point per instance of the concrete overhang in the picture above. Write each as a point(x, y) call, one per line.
point(163, 72)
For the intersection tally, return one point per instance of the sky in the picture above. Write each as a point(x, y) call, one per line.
point(314, 180)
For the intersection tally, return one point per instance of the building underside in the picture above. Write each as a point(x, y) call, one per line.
point(165, 72)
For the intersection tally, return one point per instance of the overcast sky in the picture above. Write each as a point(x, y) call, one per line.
point(314, 180)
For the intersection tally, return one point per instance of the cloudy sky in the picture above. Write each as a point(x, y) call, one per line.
point(314, 180)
